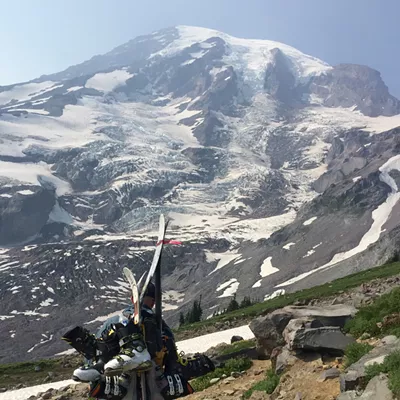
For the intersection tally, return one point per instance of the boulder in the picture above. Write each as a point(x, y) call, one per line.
point(268, 329)
point(378, 388)
point(235, 339)
point(353, 378)
point(331, 373)
point(281, 358)
point(319, 338)
point(352, 395)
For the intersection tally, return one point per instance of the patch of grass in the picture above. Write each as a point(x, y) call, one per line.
point(390, 366)
point(237, 346)
point(368, 317)
point(233, 365)
point(10, 374)
point(354, 352)
point(267, 385)
point(316, 292)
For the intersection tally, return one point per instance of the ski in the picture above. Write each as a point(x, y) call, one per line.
point(135, 293)
point(156, 258)
point(140, 282)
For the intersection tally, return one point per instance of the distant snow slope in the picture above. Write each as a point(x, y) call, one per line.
point(248, 56)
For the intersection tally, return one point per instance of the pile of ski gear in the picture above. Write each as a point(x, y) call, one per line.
point(133, 356)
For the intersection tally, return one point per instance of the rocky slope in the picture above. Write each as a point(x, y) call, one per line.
point(271, 165)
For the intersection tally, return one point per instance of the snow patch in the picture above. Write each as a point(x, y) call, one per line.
point(309, 221)
point(33, 173)
point(257, 284)
point(107, 82)
point(230, 287)
point(277, 293)
point(267, 268)
point(24, 92)
point(47, 302)
point(224, 259)
point(26, 192)
point(309, 253)
point(288, 246)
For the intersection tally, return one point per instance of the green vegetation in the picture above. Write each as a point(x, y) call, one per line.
point(391, 367)
point(317, 292)
point(267, 385)
point(10, 374)
point(237, 346)
point(233, 365)
point(193, 315)
point(371, 318)
point(354, 352)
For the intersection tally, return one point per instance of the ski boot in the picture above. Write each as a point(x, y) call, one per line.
point(194, 366)
point(107, 347)
point(110, 388)
point(188, 368)
point(82, 341)
point(133, 354)
point(172, 386)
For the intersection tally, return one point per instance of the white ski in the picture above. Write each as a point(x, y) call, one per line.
point(135, 293)
point(159, 244)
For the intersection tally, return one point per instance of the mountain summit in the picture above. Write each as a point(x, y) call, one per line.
point(277, 170)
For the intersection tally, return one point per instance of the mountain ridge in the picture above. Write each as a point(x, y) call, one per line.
point(269, 163)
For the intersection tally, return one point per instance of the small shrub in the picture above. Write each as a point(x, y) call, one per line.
point(372, 370)
point(267, 385)
point(237, 346)
point(368, 317)
point(390, 366)
point(355, 351)
point(394, 382)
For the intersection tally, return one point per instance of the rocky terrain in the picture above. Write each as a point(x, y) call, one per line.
point(277, 171)
point(300, 349)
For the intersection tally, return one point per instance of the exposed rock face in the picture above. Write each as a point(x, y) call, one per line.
point(355, 374)
point(301, 334)
point(287, 325)
point(348, 85)
point(24, 211)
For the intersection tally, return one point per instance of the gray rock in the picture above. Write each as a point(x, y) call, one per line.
point(214, 380)
point(236, 339)
point(331, 373)
point(353, 377)
point(37, 368)
point(22, 216)
point(284, 359)
point(351, 395)
point(268, 329)
point(326, 338)
point(378, 388)
point(389, 340)
point(367, 90)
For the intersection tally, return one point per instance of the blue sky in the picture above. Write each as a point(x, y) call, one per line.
point(44, 36)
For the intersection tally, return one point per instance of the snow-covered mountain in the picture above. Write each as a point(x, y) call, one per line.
point(272, 165)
